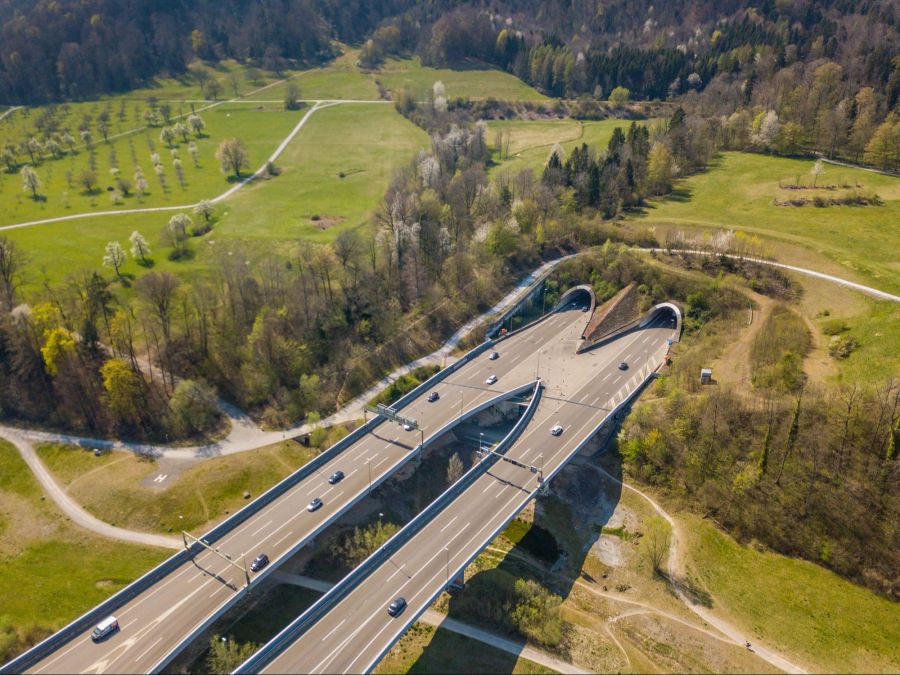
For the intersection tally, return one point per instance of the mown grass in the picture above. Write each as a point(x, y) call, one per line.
point(530, 141)
point(477, 82)
point(425, 649)
point(52, 570)
point(339, 79)
point(207, 492)
point(260, 127)
point(809, 613)
point(739, 190)
point(333, 176)
point(367, 142)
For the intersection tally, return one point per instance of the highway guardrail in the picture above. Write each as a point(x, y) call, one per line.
point(288, 635)
point(52, 643)
point(414, 614)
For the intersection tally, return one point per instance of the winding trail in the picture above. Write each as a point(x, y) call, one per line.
point(6, 113)
point(74, 510)
point(319, 104)
point(868, 290)
point(720, 624)
point(246, 435)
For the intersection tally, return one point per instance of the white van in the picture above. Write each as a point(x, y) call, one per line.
point(106, 627)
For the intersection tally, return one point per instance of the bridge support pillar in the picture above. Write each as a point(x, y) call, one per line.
point(458, 583)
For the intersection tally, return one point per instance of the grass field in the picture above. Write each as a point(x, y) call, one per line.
point(339, 78)
point(366, 142)
point(261, 128)
point(52, 570)
point(738, 192)
point(424, 649)
point(808, 612)
point(476, 82)
point(531, 141)
point(109, 486)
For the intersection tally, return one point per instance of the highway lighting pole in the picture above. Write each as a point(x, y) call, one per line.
point(369, 464)
point(447, 551)
point(537, 371)
point(481, 443)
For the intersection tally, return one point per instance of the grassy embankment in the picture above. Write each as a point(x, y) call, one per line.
point(809, 613)
point(52, 570)
point(110, 487)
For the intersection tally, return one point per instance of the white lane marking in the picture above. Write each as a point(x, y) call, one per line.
point(449, 524)
point(144, 653)
point(275, 545)
point(377, 464)
point(256, 532)
point(333, 630)
point(396, 572)
point(489, 486)
point(201, 558)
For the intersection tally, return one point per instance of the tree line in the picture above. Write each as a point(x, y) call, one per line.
point(75, 49)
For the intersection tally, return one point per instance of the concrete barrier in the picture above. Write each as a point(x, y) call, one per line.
point(288, 635)
point(458, 570)
point(111, 604)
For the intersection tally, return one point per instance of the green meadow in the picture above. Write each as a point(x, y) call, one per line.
point(530, 141)
point(809, 613)
point(475, 82)
point(739, 191)
point(61, 193)
point(52, 570)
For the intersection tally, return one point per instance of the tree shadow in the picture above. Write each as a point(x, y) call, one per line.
point(147, 263)
point(550, 551)
point(680, 194)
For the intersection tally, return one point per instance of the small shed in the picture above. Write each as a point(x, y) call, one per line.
point(705, 375)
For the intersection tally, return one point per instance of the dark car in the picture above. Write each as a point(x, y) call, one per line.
point(397, 606)
point(433, 396)
point(315, 504)
point(336, 477)
point(259, 562)
point(623, 366)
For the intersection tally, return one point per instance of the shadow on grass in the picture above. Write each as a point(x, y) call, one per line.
point(550, 552)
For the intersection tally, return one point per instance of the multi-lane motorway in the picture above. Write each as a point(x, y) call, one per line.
point(580, 391)
point(155, 622)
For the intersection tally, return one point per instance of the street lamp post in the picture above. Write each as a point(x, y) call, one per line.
point(447, 551)
point(481, 443)
point(369, 464)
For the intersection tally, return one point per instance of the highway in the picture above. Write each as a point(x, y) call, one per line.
point(580, 392)
point(155, 623)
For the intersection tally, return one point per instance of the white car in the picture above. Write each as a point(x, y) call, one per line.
point(491, 380)
point(494, 356)
point(556, 430)
point(407, 427)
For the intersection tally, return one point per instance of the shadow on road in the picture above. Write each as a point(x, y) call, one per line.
point(550, 551)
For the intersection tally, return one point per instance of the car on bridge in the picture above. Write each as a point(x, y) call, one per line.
point(105, 628)
point(433, 396)
point(556, 430)
point(494, 356)
point(315, 504)
point(623, 366)
point(336, 477)
point(491, 380)
point(407, 426)
point(397, 606)
point(259, 562)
